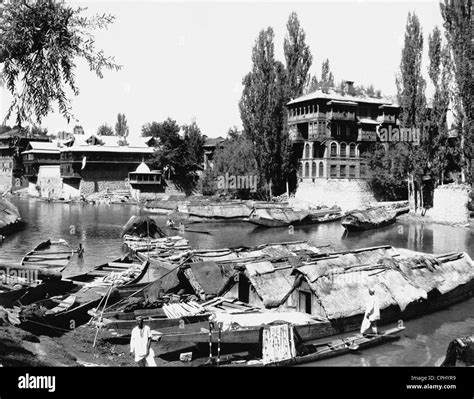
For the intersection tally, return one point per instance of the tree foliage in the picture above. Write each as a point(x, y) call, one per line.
point(298, 57)
point(121, 126)
point(457, 17)
point(172, 155)
point(40, 43)
point(105, 130)
point(195, 142)
point(262, 109)
point(235, 158)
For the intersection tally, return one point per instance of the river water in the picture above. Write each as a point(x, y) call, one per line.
point(98, 228)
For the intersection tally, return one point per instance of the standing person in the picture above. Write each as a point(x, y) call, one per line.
point(140, 345)
point(80, 251)
point(372, 314)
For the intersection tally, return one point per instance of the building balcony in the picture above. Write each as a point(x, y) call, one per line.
point(306, 117)
point(70, 175)
point(366, 135)
point(386, 119)
point(341, 115)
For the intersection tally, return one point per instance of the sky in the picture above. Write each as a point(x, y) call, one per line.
point(186, 60)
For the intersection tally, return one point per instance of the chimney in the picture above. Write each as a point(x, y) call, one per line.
point(349, 89)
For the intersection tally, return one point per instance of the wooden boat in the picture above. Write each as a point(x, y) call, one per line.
point(27, 294)
point(88, 291)
point(459, 350)
point(324, 350)
point(371, 218)
point(51, 255)
point(195, 333)
point(115, 267)
point(9, 217)
point(277, 217)
point(188, 230)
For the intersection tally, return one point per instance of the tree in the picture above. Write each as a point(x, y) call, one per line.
point(121, 127)
point(38, 131)
point(172, 155)
point(327, 78)
point(234, 158)
point(195, 142)
point(262, 110)
point(105, 130)
point(441, 153)
point(298, 57)
point(412, 101)
point(40, 42)
point(457, 17)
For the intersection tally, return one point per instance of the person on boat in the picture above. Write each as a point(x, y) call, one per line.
point(169, 223)
point(80, 251)
point(372, 314)
point(140, 345)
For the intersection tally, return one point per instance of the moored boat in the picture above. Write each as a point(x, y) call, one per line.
point(50, 254)
point(367, 219)
point(313, 352)
point(9, 217)
point(277, 217)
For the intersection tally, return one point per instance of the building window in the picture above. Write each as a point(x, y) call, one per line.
point(333, 150)
point(313, 169)
point(333, 171)
point(305, 302)
point(363, 170)
point(321, 169)
point(343, 150)
point(300, 169)
point(348, 130)
point(306, 169)
point(352, 171)
point(306, 150)
point(343, 170)
point(352, 150)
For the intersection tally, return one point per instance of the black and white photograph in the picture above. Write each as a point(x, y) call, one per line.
point(234, 184)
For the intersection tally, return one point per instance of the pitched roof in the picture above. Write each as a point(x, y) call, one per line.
point(41, 147)
point(332, 95)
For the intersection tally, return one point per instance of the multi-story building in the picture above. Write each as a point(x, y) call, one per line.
point(333, 131)
point(95, 163)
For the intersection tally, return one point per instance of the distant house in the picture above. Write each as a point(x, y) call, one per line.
point(12, 144)
point(38, 154)
point(95, 163)
point(210, 146)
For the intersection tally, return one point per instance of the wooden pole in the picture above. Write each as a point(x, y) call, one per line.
point(210, 341)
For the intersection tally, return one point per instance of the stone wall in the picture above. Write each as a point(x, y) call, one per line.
point(169, 190)
point(6, 180)
point(346, 193)
point(450, 204)
point(113, 177)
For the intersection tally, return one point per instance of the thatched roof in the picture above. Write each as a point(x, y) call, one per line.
point(271, 284)
point(286, 215)
point(442, 273)
point(210, 276)
point(371, 215)
point(142, 226)
point(341, 282)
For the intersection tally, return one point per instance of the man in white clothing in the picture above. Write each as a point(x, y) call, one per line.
point(372, 314)
point(140, 345)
